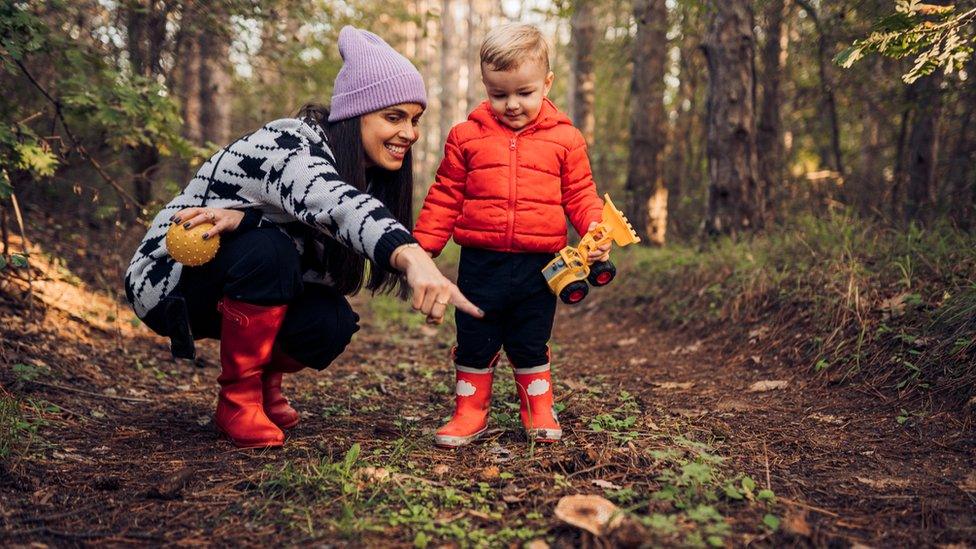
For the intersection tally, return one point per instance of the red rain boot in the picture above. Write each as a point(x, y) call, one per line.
point(471, 405)
point(275, 404)
point(247, 334)
point(535, 393)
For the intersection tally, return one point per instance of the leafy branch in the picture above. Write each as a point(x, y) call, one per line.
point(935, 35)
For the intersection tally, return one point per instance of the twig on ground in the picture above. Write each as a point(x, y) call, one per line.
point(789, 501)
point(766, 458)
point(90, 393)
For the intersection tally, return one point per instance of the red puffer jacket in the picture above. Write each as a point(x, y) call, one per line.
point(510, 192)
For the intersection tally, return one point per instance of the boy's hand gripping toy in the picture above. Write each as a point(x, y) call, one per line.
point(568, 274)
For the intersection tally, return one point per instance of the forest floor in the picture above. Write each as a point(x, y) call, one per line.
point(703, 440)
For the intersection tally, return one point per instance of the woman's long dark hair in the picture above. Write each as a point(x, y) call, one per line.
point(394, 189)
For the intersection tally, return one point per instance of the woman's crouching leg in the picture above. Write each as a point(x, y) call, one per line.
point(318, 327)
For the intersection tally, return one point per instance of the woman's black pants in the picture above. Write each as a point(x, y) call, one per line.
point(262, 266)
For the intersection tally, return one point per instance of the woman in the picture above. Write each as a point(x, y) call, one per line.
point(301, 204)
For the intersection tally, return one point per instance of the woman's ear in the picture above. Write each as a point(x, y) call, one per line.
point(548, 84)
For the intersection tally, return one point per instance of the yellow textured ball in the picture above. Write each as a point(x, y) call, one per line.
point(188, 246)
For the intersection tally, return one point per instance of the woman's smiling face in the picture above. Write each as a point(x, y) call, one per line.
point(389, 133)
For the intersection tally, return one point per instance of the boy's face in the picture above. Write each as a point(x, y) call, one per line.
point(516, 95)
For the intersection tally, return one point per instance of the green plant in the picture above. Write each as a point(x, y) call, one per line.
point(16, 429)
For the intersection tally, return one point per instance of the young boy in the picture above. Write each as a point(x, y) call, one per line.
point(510, 176)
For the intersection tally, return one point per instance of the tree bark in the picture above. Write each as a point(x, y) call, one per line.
point(834, 160)
point(769, 136)
point(583, 35)
point(188, 83)
point(449, 70)
point(145, 22)
point(961, 175)
point(215, 80)
point(923, 150)
point(646, 195)
point(472, 41)
point(735, 197)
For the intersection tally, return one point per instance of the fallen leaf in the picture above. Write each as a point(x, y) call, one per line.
point(605, 484)
point(796, 523)
point(203, 420)
point(756, 334)
point(635, 361)
point(440, 470)
point(673, 385)
point(827, 418)
point(374, 474)
point(688, 412)
point(768, 385)
point(500, 454)
point(573, 384)
point(727, 405)
point(594, 514)
point(626, 341)
point(687, 349)
point(172, 486)
point(894, 305)
point(882, 483)
point(491, 472)
point(428, 331)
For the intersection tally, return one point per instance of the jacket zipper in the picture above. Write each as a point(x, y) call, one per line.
point(512, 163)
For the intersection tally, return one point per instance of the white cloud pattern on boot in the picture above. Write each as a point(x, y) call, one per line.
point(465, 388)
point(537, 387)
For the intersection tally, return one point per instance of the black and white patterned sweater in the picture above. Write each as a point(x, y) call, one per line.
point(287, 173)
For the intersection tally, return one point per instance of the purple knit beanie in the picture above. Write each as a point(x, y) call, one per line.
point(373, 76)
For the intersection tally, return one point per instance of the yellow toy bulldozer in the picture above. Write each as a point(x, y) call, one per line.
point(569, 272)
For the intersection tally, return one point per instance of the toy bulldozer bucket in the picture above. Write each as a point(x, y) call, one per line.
point(621, 230)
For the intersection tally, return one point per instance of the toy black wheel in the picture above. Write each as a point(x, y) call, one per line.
point(602, 273)
point(574, 292)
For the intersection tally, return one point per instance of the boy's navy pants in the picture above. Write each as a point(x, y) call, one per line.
point(518, 306)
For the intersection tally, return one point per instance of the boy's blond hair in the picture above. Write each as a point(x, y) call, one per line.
point(508, 46)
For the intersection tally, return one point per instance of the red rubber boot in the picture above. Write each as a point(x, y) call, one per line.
point(534, 387)
point(472, 403)
point(247, 335)
point(275, 404)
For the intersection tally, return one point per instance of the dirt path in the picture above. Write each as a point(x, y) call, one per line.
point(123, 449)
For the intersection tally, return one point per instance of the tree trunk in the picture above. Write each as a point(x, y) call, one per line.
point(188, 83)
point(898, 184)
point(923, 150)
point(961, 175)
point(215, 80)
point(834, 160)
point(471, 53)
point(145, 23)
point(769, 130)
point(583, 36)
point(449, 70)
point(646, 195)
point(735, 197)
